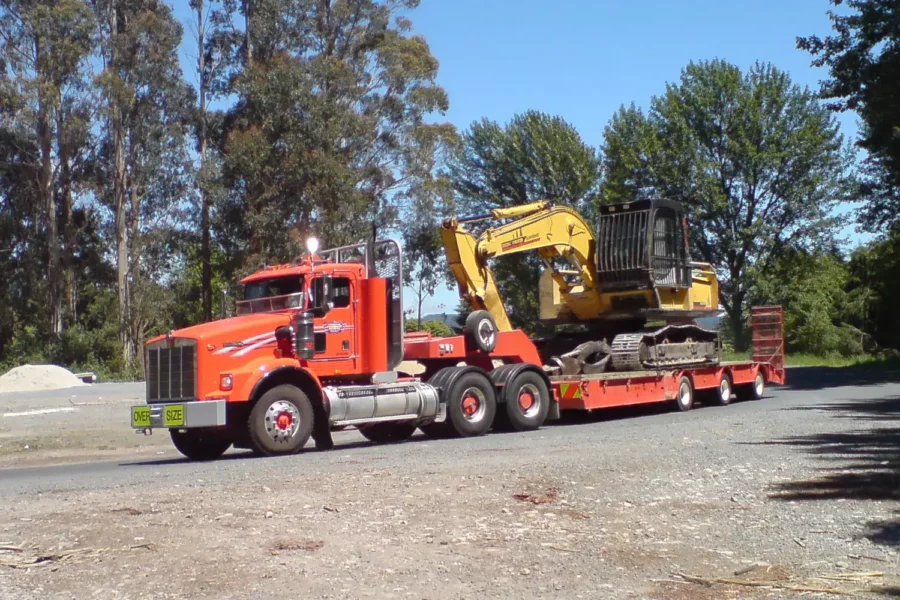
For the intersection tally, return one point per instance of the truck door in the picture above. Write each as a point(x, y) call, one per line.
point(335, 333)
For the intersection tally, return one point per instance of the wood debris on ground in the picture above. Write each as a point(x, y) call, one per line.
point(548, 498)
point(305, 545)
point(30, 559)
point(808, 585)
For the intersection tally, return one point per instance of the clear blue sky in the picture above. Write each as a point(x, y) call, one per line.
point(582, 59)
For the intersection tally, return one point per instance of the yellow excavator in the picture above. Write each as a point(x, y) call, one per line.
point(634, 272)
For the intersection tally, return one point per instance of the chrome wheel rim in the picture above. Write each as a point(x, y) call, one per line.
point(759, 384)
point(282, 421)
point(684, 394)
point(529, 400)
point(725, 390)
point(474, 405)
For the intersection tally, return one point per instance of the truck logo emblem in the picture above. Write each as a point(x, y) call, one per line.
point(335, 327)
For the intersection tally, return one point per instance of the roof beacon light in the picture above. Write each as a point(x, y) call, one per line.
point(312, 245)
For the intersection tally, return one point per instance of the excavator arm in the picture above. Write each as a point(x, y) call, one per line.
point(552, 231)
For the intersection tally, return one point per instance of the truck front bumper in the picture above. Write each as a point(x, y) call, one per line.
point(179, 415)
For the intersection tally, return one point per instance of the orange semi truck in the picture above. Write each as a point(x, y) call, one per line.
point(316, 347)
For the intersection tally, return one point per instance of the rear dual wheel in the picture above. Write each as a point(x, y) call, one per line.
point(526, 403)
point(471, 404)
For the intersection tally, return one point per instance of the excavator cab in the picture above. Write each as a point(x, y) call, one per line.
point(642, 245)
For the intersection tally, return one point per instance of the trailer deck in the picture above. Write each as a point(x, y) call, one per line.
point(617, 389)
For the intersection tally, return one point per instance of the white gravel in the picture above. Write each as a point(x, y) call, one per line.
point(30, 378)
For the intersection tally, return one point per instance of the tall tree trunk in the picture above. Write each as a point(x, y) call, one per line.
point(119, 197)
point(45, 184)
point(68, 262)
point(205, 251)
point(420, 297)
point(136, 310)
point(248, 39)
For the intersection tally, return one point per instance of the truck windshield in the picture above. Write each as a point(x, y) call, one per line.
point(267, 295)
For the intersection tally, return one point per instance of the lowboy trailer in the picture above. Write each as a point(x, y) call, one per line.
point(718, 383)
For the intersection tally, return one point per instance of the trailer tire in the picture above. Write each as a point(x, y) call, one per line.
point(197, 444)
point(480, 331)
point(281, 421)
point(527, 402)
point(721, 396)
point(471, 404)
point(684, 399)
point(392, 431)
point(755, 390)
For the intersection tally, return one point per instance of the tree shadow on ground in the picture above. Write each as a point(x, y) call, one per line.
point(817, 378)
point(869, 461)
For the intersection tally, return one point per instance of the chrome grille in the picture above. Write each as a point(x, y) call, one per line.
point(171, 372)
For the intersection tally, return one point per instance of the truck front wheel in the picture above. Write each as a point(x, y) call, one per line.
point(281, 421)
point(197, 444)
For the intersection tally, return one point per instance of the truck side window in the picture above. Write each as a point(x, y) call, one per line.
point(341, 292)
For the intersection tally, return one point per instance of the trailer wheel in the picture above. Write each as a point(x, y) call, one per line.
point(471, 405)
point(480, 331)
point(281, 421)
point(755, 390)
point(197, 444)
point(685, 398)
point(722, 394)
point(395, 431)
point(527, 402)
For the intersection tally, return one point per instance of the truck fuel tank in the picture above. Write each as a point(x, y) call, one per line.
point(356, 405)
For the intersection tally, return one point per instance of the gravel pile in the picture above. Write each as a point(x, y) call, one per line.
point(30, 378)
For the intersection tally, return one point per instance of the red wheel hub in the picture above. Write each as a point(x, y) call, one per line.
point(526, 400)
point(470, 405)
point(284, 420)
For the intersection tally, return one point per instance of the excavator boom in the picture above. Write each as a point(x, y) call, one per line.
point(552, 231)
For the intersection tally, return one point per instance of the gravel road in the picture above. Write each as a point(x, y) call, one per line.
point(790, 496)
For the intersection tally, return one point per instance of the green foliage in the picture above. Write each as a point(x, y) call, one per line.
point(864, 64)
point(533, 157)
point(435, 328)
point(328, 134)
point(874, 290)
point(91, 344)
point(812, 288)
point(755, 160)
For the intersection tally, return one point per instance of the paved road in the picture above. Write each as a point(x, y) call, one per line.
point(779, 415)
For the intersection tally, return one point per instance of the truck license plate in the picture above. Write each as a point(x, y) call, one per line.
point(173, 415)
point(140, 417)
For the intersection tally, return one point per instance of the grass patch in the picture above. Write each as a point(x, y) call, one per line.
point(866, 361)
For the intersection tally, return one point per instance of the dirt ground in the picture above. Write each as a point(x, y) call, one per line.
point(795, 496)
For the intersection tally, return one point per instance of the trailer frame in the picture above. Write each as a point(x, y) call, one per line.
point(615, 389)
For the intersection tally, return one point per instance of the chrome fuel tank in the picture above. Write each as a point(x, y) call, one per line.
point(353, 405)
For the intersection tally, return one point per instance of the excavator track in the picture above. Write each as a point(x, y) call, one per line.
point(625, 352)
point(672, 346)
